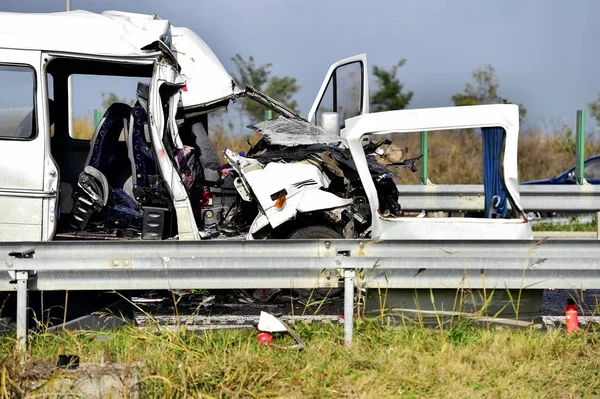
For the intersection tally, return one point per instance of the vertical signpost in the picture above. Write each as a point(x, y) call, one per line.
point(425, 159)
point(580, 147)
point(97, 117)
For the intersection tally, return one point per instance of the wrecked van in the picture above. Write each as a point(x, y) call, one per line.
point(307, 178)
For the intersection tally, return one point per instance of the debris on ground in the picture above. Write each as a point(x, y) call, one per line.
point(268, 323)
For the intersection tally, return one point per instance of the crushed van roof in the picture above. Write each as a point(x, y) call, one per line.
point(123, 35)
point(110, 33)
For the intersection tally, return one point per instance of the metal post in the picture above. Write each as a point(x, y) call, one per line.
point(97, 117)
point(22, 278)
point(70, 91)
point(425, 159)
point(580, 147)
point(348, 306)
point(598, 225)
point(268, 114)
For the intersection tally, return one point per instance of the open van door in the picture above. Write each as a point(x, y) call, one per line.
point(28, 175)
point(345, 90)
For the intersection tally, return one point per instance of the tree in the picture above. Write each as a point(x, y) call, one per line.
point(389, 95)
point(595, 109)
point(110, 98)
point(280, 88)
point(485, 90)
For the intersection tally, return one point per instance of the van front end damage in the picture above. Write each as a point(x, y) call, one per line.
point(301, 174)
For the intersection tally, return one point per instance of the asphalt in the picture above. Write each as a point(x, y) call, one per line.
point(555, 301)
point(229, 303)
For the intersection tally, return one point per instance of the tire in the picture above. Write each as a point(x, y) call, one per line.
point(301, 233)
point(316, 232)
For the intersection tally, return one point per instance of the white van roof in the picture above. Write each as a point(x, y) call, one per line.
point(110, 33)
point(124, 35)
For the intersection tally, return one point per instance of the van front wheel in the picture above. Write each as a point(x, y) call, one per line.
point(316, 232)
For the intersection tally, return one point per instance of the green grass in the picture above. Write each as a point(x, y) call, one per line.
point(384, 362)
point(573, 225)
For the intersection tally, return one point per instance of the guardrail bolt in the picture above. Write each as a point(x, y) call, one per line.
point(115, 263)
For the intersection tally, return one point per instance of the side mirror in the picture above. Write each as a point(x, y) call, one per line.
point(330, 122)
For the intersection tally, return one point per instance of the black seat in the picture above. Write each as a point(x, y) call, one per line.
point(95, 192)
point(146, 189)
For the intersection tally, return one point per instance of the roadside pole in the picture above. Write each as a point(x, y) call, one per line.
point(425, 159)
point(580, 147)
point(97, 117)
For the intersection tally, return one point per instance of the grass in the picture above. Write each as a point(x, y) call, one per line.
point(573, 225)
point(390, 361)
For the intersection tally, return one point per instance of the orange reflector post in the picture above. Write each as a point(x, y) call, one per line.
point(572, 318)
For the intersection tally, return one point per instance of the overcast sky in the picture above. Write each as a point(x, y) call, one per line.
point(544, 51)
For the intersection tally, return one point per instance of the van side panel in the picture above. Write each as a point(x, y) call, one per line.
point(22, 146)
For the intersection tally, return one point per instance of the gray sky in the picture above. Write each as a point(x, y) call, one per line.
point(544, 51)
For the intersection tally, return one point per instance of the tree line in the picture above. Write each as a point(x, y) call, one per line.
point(389, 92)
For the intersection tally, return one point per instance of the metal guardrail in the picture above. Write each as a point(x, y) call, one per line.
point(559, 264)
point(470, 197)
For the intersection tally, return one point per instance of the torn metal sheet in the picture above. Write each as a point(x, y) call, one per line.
point(270, 102)
point(294, 132)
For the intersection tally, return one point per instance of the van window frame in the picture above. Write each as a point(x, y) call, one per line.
point(35, 124)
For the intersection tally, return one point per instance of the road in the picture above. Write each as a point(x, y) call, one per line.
point(225, 310)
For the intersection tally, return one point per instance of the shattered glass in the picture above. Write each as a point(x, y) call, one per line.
point(291, 132)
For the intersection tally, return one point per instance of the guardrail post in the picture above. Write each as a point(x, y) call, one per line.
point(97, 117)
point(22, 279)
point(425, 160)
point(268, 115)
point(349, 275)
point(580, 146)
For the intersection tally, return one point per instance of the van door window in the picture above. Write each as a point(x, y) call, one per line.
point(327, 102)
point(17, 102)
point(344, 93)
point(93, 93)
point(349, 90)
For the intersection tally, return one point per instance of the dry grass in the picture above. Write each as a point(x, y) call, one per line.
point(385, 362)
point(455, 157)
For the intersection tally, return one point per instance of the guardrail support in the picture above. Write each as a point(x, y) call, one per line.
point(97, 117)
point(349, 275)
point(425, 160)
point(580, 147)
point(22, 279)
